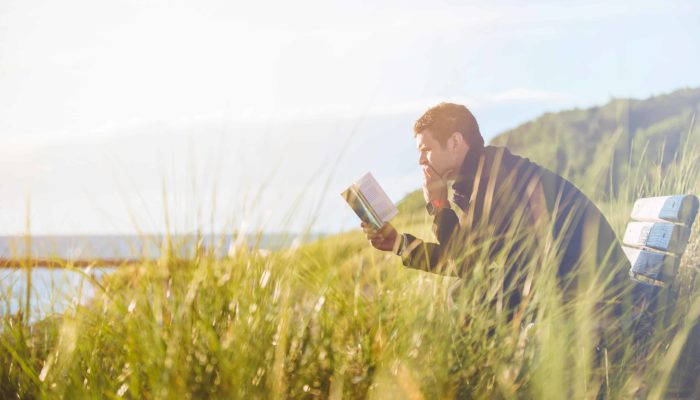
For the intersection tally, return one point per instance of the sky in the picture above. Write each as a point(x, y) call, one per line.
point(145, 116)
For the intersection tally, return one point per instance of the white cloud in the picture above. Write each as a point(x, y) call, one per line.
point(20, 144)
point(417, 106)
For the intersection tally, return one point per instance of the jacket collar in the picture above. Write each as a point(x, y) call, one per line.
point(464, 183)
point(465, 178)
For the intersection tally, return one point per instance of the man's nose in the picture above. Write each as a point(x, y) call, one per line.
point(422, 159)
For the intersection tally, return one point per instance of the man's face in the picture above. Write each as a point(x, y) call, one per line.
point(435, 155)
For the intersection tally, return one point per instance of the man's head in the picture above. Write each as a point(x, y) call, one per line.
point(444, 135)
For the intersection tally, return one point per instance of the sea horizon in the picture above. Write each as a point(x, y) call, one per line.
point(140, 246)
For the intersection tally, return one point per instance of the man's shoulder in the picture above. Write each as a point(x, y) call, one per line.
point(502, 155)
point(492, 152)
point(509, 159)
point(526, 170)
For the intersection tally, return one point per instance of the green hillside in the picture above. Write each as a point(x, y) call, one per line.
point(605, 144)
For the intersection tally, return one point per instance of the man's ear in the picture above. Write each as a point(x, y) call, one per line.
point(456, 141)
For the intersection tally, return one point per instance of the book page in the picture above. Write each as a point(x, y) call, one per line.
point(361, 207)
point(382, 205)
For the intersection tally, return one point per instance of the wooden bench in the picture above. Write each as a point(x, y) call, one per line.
point(654, 242)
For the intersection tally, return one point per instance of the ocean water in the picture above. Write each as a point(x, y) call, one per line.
point(54, 290)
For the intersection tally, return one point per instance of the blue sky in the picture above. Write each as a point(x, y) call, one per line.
point(245, 108)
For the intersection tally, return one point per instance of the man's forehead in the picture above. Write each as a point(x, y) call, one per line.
point(424, 138)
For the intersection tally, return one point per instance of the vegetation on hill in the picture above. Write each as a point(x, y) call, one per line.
point(338, 319)
point(608, 144)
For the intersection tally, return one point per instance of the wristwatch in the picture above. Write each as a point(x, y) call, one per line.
point(433, 206)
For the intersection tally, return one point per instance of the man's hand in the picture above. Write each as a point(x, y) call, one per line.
point(434, 186)
point(385, 239)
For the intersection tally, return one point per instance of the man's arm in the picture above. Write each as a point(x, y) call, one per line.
point(431, 257)
point(414, 252)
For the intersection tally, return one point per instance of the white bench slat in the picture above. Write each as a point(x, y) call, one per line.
point(645, 265)
point(679, 209)
point(662, 236)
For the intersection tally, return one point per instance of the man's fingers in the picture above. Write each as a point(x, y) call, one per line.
point(385, 228)
point(371, 229)
point(431, 174)
point(368, 230)
point(375, 235)
point(428, 176)
point(432, 184)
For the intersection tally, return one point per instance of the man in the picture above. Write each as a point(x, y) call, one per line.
point(508, 210)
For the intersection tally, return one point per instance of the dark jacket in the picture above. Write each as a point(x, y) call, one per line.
point(512, 208)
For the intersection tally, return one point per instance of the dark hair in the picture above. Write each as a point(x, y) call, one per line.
point(446, 118)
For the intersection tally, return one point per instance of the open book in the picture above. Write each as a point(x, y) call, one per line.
point(369, 201)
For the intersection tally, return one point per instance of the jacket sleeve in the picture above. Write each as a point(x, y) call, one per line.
point(431, 257)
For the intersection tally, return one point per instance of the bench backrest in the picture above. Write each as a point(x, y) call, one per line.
point(655, 239)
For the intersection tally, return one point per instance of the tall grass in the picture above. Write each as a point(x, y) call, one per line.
point(338, 319)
